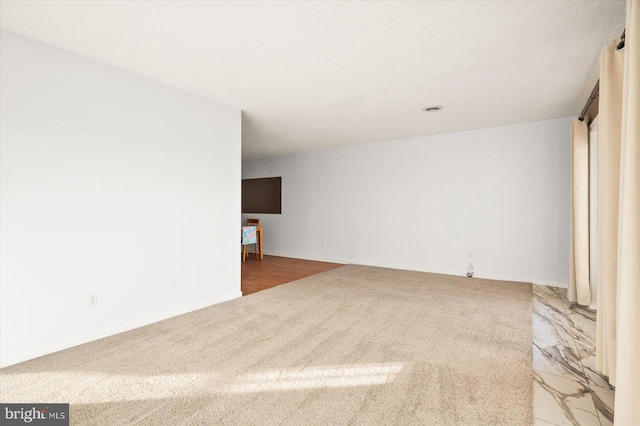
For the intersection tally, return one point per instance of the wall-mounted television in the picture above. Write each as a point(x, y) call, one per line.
point(262, 195)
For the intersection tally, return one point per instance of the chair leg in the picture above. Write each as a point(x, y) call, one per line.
point(244, 252)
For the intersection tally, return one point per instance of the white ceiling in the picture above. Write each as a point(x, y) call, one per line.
point(310, 75)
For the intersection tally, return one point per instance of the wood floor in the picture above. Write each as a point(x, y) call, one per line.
point(273, 270)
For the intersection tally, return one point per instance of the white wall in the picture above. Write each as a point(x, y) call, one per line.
point(114, 184)
point(500, 193)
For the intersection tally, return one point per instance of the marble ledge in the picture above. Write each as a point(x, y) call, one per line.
point(567, 387)
point(562, 401)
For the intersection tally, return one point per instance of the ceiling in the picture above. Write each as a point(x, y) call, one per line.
point(311, 75)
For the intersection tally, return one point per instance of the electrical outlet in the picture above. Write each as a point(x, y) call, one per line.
point(174, 282)
point(93, 300)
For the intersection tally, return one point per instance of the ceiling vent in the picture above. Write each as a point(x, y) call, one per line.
point(432, 108)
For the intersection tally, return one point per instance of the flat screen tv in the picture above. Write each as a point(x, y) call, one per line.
point(262, 195)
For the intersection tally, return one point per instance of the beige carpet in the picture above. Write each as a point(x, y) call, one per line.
point(355, 345)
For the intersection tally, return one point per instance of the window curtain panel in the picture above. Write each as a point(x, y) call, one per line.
point(627, 406)
point(579, 289)
point(609, 132)
point(618, 315)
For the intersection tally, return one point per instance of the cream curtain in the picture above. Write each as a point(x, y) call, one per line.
point(579, 289)
point(609, 131)
point(627, 405)
point(618, 317)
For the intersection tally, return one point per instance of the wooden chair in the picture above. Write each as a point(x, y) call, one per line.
point(245, 251)
point(253, 221)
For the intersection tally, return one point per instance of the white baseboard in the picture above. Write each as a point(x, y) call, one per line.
point(314, 258)
point(69, 343)
point(404, 267)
